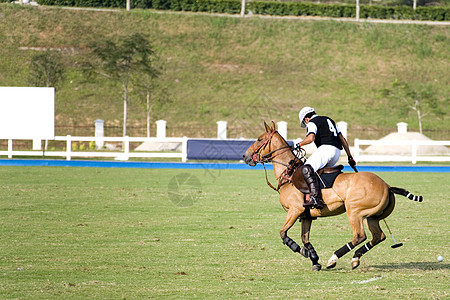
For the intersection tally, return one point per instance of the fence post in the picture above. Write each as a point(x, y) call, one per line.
point(161, 129)
point(37, 144)
point(221, 130)
point(343, 127)
point(99, 133)
point(356, 150)
point(402, 127)
point(282, 129)
point(10, 148)
point(184, 149)
point(127, 148)
point(357, 10)
point(68, 147)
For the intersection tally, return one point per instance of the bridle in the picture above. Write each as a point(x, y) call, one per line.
point(269, 157)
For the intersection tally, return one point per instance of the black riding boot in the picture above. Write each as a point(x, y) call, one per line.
point(313, 183)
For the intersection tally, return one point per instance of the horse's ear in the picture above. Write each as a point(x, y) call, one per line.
point(273, 126)
point(267, 127)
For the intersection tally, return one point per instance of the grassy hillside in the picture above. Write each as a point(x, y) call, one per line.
point(233, 69)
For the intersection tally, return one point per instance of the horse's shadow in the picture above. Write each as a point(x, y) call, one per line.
point(425, 266)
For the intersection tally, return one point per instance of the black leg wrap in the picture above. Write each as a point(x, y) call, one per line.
point(344, 250)
point(291, 244)
point(312, 253)
point(361, 251)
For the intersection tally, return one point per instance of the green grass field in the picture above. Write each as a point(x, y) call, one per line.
point(132, 233)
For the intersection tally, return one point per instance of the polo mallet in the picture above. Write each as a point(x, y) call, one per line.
point(352, 165)
point(396, 245)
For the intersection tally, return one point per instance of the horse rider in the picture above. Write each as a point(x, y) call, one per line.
point(329, 141)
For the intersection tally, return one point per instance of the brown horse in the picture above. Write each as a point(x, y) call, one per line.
point(364, 196)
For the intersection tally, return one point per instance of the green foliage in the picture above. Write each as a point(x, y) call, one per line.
point(118, 58)
point(422, 101)
point(348, 10)
point(121, 58)
point(274, 8)
point(46, 69)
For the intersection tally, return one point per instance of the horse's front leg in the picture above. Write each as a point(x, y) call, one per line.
point(308, 250)
point(291, 217)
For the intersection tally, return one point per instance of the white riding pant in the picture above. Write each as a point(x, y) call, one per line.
point(325, 156)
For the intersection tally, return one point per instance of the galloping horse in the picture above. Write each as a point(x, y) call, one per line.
point(364, 196)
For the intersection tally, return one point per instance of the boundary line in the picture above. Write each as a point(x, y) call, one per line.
point(196, 165)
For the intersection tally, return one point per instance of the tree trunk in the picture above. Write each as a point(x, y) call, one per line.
point(420, 120)
point(148, 114)
point(125, 104)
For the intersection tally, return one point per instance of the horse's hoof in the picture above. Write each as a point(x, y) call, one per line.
point(304, 252)
point(317, 267)
point(332, 262)
point(355, 262)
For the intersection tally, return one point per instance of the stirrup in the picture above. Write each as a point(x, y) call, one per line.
point(314, 202)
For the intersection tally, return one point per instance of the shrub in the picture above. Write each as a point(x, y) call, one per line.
point(433, 13)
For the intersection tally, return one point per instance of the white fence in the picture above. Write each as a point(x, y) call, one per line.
point(359, 155)
point(125, 154)
point(119, 155)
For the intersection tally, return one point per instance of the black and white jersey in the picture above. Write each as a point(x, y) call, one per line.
point(325, 130)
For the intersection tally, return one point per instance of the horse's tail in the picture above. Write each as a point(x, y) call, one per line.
point(405, 193)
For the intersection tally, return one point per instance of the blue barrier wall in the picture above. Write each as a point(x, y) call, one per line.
point(218, 149)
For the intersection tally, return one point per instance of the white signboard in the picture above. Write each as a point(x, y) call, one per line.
point(27, 113)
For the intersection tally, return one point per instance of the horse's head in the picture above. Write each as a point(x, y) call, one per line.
point(261, 147)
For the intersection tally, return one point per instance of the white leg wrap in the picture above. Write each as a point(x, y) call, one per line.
point(333, 258)
point(332, 261)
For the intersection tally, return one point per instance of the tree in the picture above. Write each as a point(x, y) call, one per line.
point(148, 88)
point(46, 69)
point(422, 101)
point(119, 59)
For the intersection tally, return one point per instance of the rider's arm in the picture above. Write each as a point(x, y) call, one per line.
point(308, 140)
point(351, 161)
point(344, 144)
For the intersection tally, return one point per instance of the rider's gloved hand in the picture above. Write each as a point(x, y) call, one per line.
point(351, 161)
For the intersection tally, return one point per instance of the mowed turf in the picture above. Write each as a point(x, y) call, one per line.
point(148, 233)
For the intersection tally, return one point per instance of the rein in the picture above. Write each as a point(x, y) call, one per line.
point(269, 157)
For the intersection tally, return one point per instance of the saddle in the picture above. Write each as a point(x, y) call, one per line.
point(332, 170)
point(327, 176)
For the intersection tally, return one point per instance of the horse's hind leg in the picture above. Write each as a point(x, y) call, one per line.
point(377, 237)
point(358, 237)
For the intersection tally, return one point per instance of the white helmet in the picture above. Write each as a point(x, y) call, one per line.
point(303, 112)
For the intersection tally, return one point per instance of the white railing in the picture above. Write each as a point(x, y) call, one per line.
point(120, 155)
point(359, 155)
point(125, 154)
